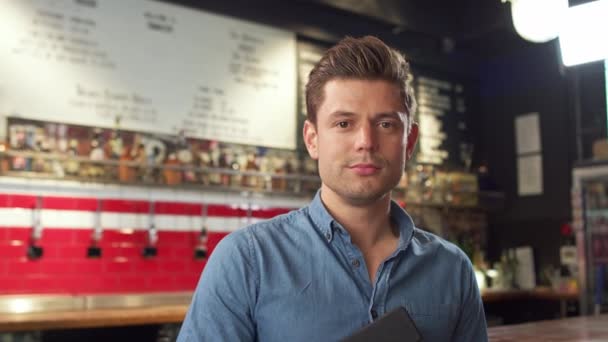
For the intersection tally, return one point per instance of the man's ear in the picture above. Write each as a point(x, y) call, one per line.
point(311, 139)
point(412, 138)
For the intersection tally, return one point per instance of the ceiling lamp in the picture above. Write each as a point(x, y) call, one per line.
point(537, 21)
point(582, 38)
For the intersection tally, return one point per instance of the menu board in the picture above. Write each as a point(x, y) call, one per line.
point(152, 66)
point(443, 124)
point(309, 54)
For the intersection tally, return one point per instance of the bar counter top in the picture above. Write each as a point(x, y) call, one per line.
point(47, 312)
point(93, 318)
point(545, 293)
point(577, 329)
point(111, 311)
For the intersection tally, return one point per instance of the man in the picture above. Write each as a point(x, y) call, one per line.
point(323, 272)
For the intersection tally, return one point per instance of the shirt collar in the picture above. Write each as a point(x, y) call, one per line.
point(404, 223)
point(321, 217)
point(326, 224)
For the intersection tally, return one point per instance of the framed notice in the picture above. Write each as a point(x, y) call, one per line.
point(527, 133)
point(154, 66)
point(530, 175)
point(529, 155)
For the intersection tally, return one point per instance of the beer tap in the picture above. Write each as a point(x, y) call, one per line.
point(150, 249)
point(34, 251)
point(94, 250)
point(200, 252)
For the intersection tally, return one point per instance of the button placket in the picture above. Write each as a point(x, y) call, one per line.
point(380, 291)
point(353, 260)
point(374, 314)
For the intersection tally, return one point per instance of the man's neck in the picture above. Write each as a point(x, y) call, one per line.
point(368, 224)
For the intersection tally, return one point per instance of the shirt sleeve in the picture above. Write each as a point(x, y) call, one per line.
point(223, 302)
point(472, 322)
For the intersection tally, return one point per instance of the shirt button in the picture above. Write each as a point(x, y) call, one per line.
point(374, 314)
point(328, 236)
point(355, 262)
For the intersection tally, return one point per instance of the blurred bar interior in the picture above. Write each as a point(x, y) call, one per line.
point(131, 145)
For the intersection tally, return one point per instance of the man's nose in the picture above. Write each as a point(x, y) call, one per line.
point(366, 138)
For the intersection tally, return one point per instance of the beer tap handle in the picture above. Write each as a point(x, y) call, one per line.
point(34, 251)
point(200, 252)
point(94, 251)
point(150, 250)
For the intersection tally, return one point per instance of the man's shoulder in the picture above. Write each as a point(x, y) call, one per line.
point(266, 230)
point(279, 223)
point(439, 246)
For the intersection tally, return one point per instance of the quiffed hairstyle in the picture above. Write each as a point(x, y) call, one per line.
point(366, 58)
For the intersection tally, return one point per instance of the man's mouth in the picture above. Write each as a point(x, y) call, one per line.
point(365, 169)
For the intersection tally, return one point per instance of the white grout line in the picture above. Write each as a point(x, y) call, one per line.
point(74, 219)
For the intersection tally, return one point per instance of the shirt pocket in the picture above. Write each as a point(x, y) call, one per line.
point(435, 321)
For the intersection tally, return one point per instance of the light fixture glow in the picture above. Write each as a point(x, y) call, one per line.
point(538, 21)
point(582, 36)
point(20, 306)
point(481, 279)
point(492, 273)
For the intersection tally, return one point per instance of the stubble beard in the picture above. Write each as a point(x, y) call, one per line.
point(360, 191)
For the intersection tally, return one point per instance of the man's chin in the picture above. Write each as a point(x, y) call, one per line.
point(363, 197)
point(357, 191)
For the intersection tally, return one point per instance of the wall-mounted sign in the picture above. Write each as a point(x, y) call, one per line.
point(529, 155)
point(443, 123)
point(527, 133)
point(530, 175)
point(158, 67)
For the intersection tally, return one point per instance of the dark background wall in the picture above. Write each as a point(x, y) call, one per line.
point(532, 79)
point(521, 82)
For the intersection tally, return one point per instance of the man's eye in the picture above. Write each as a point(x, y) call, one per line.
point(342, 124)
point(386, 124)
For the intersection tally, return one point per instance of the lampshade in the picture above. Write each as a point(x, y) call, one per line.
point(538, 21)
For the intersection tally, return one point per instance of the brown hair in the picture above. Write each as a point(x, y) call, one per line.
point(366, 58)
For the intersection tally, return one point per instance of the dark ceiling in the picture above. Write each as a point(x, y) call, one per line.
point(478, 28)
point(463, 19)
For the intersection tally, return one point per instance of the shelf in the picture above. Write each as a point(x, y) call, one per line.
point(200, 178)
point(131, 173)
point(486, 200)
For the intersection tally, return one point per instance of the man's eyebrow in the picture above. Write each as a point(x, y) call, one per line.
point(341, 114)
point(388, 115)
point(399, 116)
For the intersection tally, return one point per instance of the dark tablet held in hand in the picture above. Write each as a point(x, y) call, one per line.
point(395, 326)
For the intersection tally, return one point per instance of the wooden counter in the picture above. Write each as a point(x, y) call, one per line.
point(537, 294)
point(92, 318)
point(170, 312)
point(578, 329)
point(489, 296)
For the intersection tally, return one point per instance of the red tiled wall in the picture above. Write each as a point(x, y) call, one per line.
point(64, 267)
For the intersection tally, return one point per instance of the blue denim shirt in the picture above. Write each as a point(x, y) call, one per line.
point(298, 277)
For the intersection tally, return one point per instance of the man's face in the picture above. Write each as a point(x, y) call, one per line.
point(360, 139)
